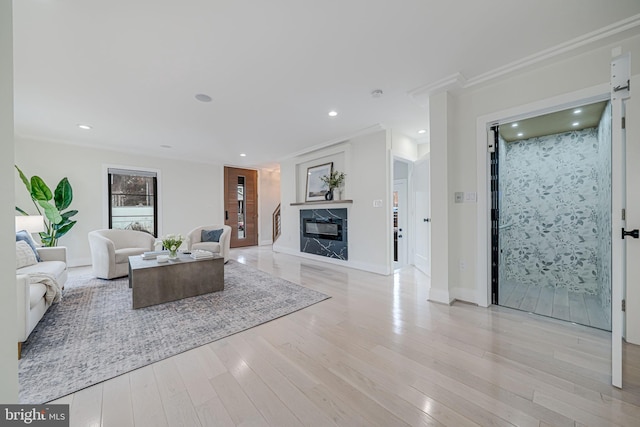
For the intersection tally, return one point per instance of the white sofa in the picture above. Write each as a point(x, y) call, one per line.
point(111, 249)
point(194, 239)
point(31, 302)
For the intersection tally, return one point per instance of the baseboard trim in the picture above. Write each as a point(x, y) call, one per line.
point(78, 262)
point(440, 296)
point(465, 295)
point(265, 242)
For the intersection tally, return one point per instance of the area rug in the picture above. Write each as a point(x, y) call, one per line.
point(93, 334)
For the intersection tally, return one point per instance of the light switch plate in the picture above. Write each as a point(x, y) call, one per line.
point(459, 197)
point(377, 203)
point(470, 197)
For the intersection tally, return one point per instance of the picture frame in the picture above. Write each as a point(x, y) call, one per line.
point(316, 189)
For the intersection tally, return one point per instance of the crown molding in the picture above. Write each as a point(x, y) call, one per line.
point(458, 81)
point(573, 44)
point(452, 81)
point(335, 141)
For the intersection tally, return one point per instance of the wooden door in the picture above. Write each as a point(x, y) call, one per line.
point(241, 205)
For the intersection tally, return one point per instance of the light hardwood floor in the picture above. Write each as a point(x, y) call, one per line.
point(376, 354)
point(555, 302)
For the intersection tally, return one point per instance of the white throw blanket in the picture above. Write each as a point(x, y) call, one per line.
point(54, 292)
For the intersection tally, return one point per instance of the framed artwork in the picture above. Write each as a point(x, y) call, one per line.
point(316, 189)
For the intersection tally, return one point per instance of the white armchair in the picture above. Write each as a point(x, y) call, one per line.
point(111, 249)
point(220, 248)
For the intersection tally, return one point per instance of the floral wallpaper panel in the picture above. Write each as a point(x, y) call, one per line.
point(549, 211)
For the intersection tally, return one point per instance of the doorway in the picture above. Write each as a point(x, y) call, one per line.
point(400, 246)
point(401, 208)
point(551, 214)
point(241, 205)
point(422, 218)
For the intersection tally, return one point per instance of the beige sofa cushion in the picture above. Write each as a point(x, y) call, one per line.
point(24, 254)
point(36, 293)
point(54, 268)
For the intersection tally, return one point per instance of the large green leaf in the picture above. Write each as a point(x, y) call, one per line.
point(39, 190)
point(64, 194)
point(51, 212)
point(61, 231)
point(47, 240)
point(24, 179)
point(69, 214)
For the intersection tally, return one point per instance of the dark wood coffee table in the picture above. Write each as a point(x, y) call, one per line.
point(153, 283)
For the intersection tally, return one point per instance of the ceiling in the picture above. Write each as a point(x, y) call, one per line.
point(575, 118)
point(274, 69)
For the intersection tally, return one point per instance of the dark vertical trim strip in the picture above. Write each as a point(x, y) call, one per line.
point(109, 179)
point(495, 218)
point(155, 206)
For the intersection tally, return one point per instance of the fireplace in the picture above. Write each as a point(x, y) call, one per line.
point(327, 229)
point(324, 232)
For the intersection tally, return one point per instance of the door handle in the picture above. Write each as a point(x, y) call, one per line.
point(633, 233)
point(426, 219)
point(226, 215)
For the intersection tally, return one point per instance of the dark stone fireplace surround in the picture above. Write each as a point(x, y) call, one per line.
point(324, 232)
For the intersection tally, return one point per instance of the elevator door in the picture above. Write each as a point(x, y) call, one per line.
point(553, 220)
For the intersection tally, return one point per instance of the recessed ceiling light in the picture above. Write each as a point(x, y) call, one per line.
point(377, 93)
point(202, 97)
point(421, 131)
point(243, 155)
point(514, 125)
point(165, 146)
point(520, 134)
point(85, 127)
point(333, 113)
point(575, 123)
point(578, 111)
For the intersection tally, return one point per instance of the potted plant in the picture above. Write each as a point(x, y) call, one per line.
point(334, 180)
point(56, 222)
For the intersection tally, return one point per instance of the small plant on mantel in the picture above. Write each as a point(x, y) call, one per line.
point(334, 180)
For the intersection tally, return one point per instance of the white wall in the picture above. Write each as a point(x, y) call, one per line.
point(367, 162)
point(423, 149)
point(439, 106)
point(567, 74)
point(268, 200)
point(8, 295)
point(190, 192)
point(403, 146)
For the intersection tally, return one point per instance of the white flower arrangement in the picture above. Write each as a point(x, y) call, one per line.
point(172, 242)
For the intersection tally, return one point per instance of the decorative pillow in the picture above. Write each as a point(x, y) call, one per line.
point(24, 255)
point(211, 235)
point(26, 237)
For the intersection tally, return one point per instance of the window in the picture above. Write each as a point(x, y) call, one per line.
point(241, 213)
point(133, 201)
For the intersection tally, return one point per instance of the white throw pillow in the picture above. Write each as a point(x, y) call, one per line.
point(24, 255)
